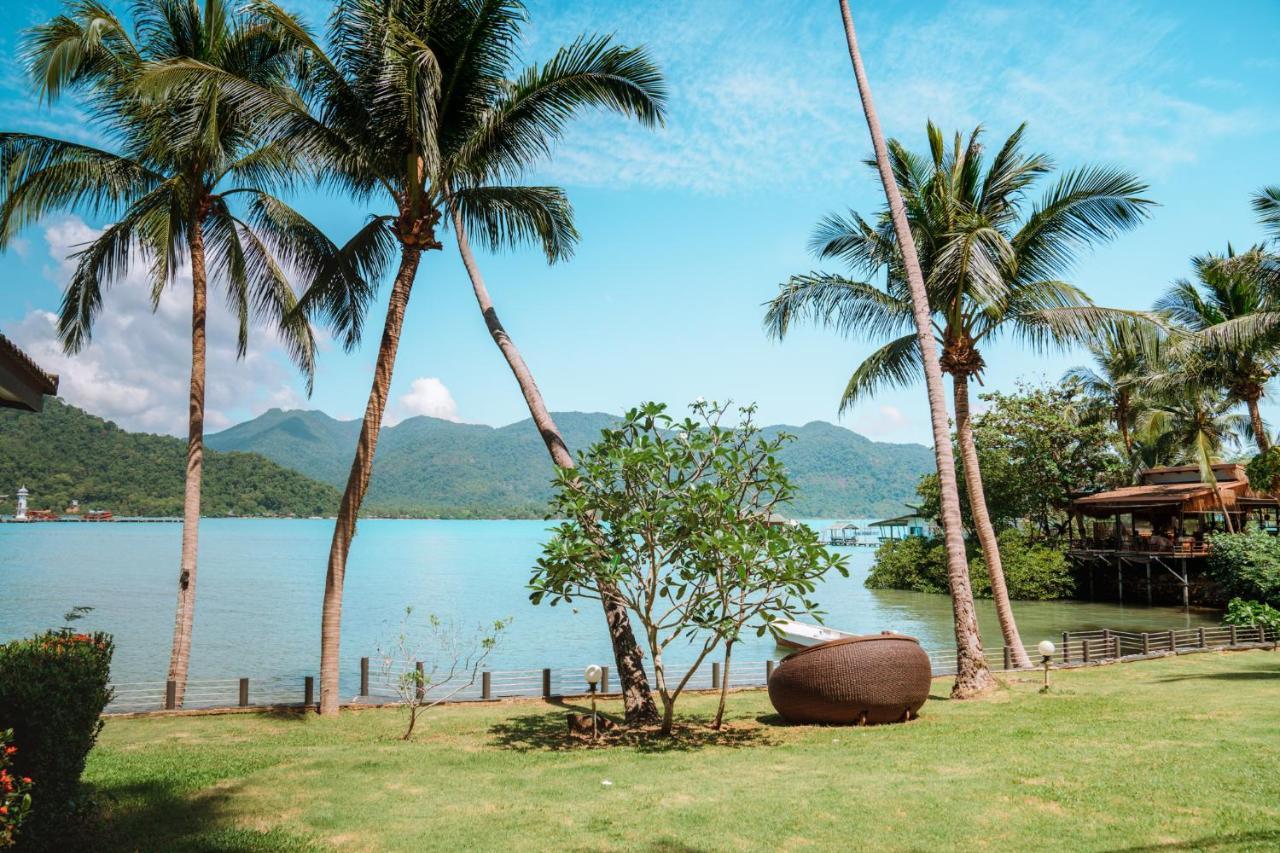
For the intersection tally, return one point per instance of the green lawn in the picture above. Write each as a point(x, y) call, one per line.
point(1178, 754)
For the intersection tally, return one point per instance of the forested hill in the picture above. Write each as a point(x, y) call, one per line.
point(65, 454)
point(426, 466)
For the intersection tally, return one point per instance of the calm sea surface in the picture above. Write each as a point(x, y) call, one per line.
point(261, 582)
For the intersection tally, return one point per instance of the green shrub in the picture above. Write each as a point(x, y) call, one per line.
point(15, 792)
point(1033, 570)
point(1250, 613)
point(913, 563)
point(53, 689)
point(1247, 565)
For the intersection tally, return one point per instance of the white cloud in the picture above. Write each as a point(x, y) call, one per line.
point(136, 370)
point(885, 422)
point(428, 396)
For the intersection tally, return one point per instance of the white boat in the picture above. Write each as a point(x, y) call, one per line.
point(801, 635)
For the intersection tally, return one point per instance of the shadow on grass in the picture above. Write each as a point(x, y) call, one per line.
point(549, 732)
point(155, 816)
point(1264, 840)
point(1246, 675)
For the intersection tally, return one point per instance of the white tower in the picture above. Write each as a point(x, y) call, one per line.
point(22, 505)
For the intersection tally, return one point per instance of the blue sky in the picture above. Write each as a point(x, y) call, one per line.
point(688, 229)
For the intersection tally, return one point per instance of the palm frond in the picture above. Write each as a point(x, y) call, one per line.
point(502, 217)
point(845, 306)
point(894, 365)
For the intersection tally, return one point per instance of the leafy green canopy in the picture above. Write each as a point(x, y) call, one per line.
point(422, 103)
point(680, 518)
point(992, 264)
point(185, 165)
point(1034, 570)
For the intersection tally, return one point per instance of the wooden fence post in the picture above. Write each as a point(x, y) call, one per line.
point(420, 691)
point(308, 691)
point(546, 684)
point(1106, 642)
point(486, 686)
point(715, 675)
point(364, 676)
point(1200, 636)
point(244, 693)
point(1233, 635)
point(604, 679)
point(768, 670)
point(170, 695)
point(1066, 646)
point(1146, 643)
point(1173, 641)
point(1084, 644)
point(1008, 658)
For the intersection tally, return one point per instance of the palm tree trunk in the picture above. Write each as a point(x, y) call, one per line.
point(982, 523)
point(180, 655)
point(1259, 428)
point(628, 657)
point(344, 530)
point(972, 675)
point(1122, 420)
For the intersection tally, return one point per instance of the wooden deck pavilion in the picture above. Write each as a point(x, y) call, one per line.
point(1165, 522)
point(23, 384)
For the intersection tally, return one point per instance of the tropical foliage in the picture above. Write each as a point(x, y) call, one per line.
point(678, 519)
point(1034, 569)
point(1247, 565)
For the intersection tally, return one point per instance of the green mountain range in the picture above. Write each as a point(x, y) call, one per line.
point(431, 467)
point(65, 454)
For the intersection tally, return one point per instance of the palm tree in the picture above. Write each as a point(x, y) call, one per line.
point(1267, 204)
point(973, 678)
point(1198, 421)
point(1234, 319)
point(200, 197)
point(1122, 357)
point(416, 103)
point(989, 270)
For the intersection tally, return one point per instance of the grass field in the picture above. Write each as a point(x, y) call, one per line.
point(1172, 754)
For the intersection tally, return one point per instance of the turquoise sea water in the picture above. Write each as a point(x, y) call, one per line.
point(260, 585)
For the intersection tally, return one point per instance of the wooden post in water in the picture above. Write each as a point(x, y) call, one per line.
point(364, 676)
point(244, 693)
point(1148, 583)
point(715, 675)
point(309, 692)
point(420, 691)
point(170, 695)
point(546, 684)
point(486, 688)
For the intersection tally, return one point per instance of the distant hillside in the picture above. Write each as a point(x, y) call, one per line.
point(427, 466)
point(65, 454)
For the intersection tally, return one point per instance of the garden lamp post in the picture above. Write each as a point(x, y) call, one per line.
point(592, 675)
point(1046, 652)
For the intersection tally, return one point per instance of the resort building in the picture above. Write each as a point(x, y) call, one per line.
point(23, 384)
point(1162, 523)
point(904, 526)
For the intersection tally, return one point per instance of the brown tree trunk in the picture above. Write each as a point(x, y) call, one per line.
point(344, 530)
point(724, 684)
point(982, 523)
point(180, 655)
point(1259, 428)
point(973, 678)
point(1122, 421)
point(637, 698)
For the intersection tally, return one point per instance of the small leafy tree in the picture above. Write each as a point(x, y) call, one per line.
point(429, 670)
point(678, 520)
point(1252, 614)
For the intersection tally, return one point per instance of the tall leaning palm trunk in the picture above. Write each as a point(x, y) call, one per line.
point(972, 675)
point(344, 528)
point(184, 619)
point(628, 657)
point(982, 523)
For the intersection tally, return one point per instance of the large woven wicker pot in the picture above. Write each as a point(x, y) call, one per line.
point(879, 678)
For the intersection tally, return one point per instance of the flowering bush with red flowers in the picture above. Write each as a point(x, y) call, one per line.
point(15, 792)
point(53, 689)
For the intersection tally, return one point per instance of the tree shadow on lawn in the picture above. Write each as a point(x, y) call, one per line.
point(1245, 675)
point(1262, 840)
point(155, 816)
point(549, 732)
